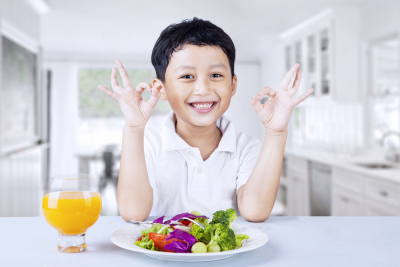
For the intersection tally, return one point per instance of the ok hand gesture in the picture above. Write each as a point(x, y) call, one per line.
point(275, 114)
point(136, 110)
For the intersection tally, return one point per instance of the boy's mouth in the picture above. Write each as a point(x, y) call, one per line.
point(202, 107)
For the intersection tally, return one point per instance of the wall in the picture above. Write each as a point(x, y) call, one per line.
point(379, 19)
point(272, 65)
point(241, 111)
point(22, 15)
point(63, 117)
point(21, 172)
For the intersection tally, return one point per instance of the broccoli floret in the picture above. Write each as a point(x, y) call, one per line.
point(200, 234)
point(223, 235)
point(224, 217)
point(215, 233)
point(232, 216)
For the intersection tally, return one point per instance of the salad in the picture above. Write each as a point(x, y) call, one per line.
point(186, 237)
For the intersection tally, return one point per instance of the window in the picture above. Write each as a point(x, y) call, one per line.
point(312, 83)
point(19, 121)
point(384, 96)
point(325, 70)
point(100, 118)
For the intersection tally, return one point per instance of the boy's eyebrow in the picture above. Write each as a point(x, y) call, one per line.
point(218, 65)
point(182, 67)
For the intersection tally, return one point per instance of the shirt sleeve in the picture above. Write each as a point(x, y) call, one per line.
point(151, 170)
point(247, 162)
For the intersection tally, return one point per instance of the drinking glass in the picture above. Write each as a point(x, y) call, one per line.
point(71, 204)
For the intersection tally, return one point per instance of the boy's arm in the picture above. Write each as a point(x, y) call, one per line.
point(134, 193)
point(256, 198)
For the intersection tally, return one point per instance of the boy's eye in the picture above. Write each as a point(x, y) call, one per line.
point(187, 77)
point(216, 75)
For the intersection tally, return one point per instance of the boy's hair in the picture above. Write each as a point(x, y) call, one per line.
point(195, 32)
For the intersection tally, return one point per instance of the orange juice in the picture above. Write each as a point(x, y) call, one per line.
point(71, 212)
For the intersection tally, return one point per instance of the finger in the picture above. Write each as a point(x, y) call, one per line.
point(155, 95)
point(288, 78)
point(302, 97)
point(114, 83)
point(267, 91)
point(143, 86)
point(110, 93)
point(255, 101)
point(296, 84)
point(124, 75)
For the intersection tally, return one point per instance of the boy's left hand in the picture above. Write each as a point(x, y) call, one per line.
point(276, 112)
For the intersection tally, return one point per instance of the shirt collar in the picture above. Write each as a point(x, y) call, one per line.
point(172, 141)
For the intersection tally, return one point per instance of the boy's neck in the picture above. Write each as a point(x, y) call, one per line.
point(206, 138)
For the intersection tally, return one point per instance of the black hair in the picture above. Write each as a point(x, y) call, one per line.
point(195, 32)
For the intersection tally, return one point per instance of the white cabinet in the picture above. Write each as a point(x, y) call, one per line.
point(354, 194)
point(298, 198)
point(298, 187)
point(327, 47)
point(346, 203)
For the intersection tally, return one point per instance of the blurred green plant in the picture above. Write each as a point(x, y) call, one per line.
point(94, 103)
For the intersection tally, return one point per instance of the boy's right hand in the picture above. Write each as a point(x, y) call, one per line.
point(136, 110)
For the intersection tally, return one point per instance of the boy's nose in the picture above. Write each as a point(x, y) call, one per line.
point(203, 87)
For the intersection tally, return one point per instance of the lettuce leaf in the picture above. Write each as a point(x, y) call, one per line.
point(153, 229)
point(146, 243)
point(240, 238)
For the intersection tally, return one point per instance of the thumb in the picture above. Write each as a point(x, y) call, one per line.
point(255, 101)
point(155, 95)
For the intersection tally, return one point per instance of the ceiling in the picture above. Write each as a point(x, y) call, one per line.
point(108, 27)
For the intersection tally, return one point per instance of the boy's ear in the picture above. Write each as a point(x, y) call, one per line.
point(160, 87)
point(234, 84)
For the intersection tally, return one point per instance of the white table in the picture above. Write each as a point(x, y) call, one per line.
point(293, 241)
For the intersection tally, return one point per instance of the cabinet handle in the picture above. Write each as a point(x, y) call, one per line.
point(384, 193)
point(344, 199)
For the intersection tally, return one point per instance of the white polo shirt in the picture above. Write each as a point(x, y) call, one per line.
point(183, 182)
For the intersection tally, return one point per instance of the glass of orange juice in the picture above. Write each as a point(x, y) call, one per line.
point(71, 204)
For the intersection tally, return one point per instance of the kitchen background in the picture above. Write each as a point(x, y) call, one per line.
point(343, 150)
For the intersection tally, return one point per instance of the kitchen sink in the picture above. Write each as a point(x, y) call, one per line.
point(375, 165)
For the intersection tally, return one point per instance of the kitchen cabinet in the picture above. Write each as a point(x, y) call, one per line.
point(355, 194)
point(298, 203)
point(327, 47)
point(375, 208)
point(352, 192)
point(346, 203)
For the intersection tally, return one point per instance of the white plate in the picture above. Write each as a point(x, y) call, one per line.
point(126, 236)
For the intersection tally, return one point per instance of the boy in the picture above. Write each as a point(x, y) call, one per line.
point(195, 160)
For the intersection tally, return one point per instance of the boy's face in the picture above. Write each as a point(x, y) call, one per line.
point(198, 84)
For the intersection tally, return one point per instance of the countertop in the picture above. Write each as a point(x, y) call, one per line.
point(349, 162)
point(293, 241)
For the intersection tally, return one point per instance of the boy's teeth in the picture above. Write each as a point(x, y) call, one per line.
point(202, 106)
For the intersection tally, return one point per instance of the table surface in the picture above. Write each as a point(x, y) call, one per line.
point(293, 241)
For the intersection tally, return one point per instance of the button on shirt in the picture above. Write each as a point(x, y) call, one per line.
point(182, 181)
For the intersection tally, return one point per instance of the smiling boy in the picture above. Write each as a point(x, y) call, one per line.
point(195, 160)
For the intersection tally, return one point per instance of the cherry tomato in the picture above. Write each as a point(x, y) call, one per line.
point(185, 223)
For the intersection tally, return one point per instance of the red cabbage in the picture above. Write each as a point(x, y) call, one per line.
point(177, 245)
point(186, 214)
point(159, 220)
